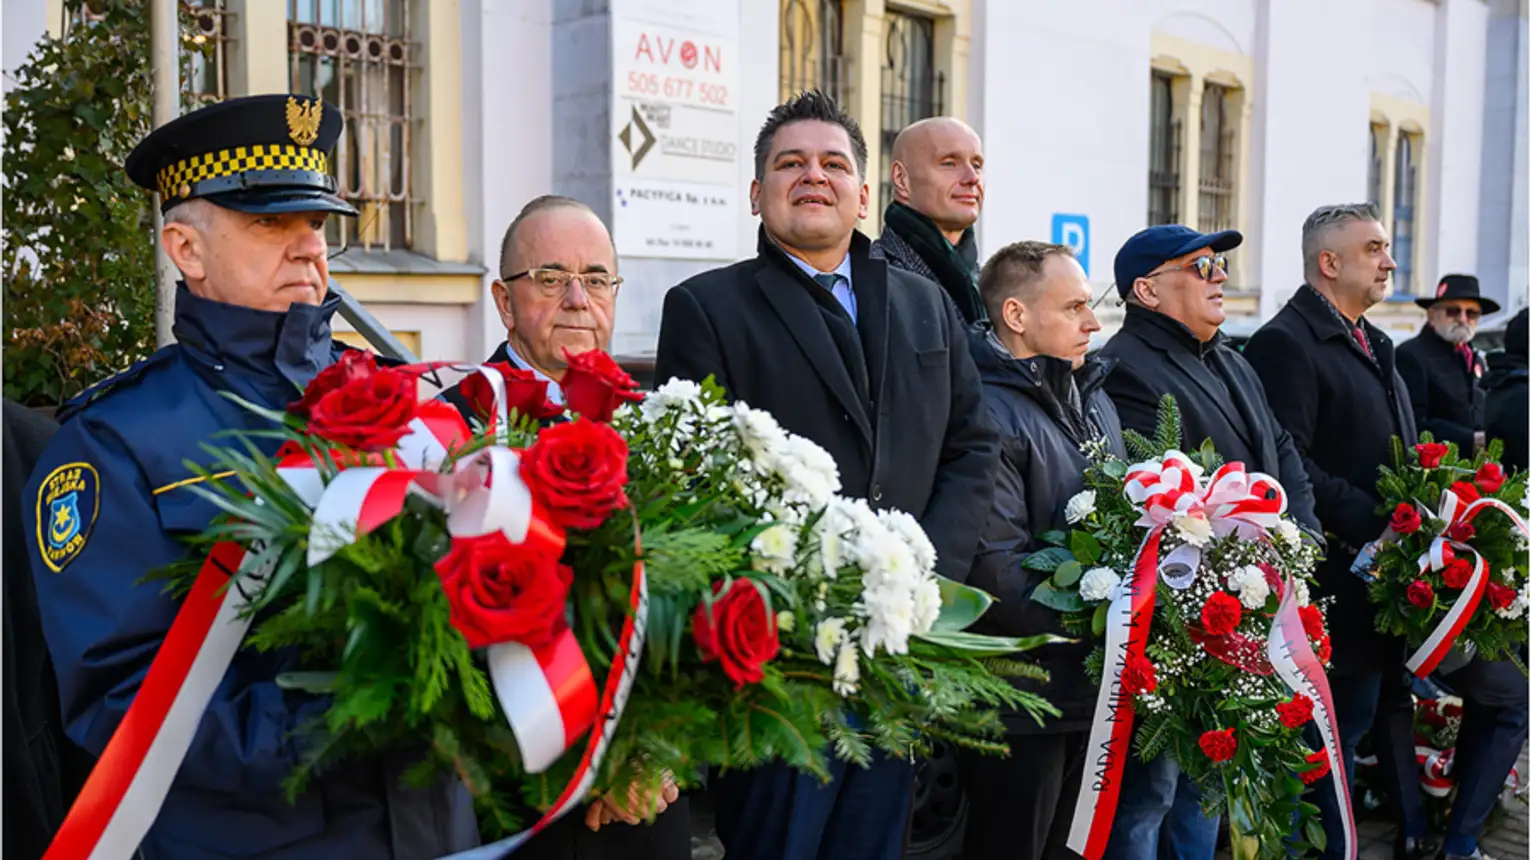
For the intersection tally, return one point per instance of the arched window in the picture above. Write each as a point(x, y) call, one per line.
point(1405, 196)
point(813, 48)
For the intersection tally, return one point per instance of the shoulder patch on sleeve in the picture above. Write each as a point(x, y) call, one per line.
point(68, 501)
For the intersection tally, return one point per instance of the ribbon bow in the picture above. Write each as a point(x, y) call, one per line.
point(1165, 489)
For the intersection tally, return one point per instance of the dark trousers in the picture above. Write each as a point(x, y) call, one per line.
point(1492, 733)
point(1381, 703)
point(776, 813)
point(667, 838)
point(1020, 807)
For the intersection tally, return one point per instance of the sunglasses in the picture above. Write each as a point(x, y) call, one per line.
point(1454, 311)
point(1203, 266)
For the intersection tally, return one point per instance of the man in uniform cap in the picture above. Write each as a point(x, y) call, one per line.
point(1442, 370)
point(246, 189)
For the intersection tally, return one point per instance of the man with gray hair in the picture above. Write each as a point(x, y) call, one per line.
point(1441, 368)
point(1331, 379)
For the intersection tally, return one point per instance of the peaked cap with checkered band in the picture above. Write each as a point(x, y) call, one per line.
point(261, 154)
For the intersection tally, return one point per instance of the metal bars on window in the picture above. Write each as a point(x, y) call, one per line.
point(813, 48)
point(1404, 199)
point(206, 31)
point(912, 89)
point(1373, 174)
point(1218, 168)
point(356, 55)
point(1163, 154)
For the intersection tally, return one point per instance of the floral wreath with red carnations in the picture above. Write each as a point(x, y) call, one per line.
point(549, 609)
point(1195, 585)
point(1449, 573)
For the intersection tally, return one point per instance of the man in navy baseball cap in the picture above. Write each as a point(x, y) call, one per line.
point(1172, 278)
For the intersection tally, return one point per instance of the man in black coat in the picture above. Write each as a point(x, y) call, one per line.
point(1442, 370)
point(1171, 278)
point(937, 183)
point(1332, 379)
point(870, 363)
point(43, 768)
point(1048, 402)
point(1507, 395)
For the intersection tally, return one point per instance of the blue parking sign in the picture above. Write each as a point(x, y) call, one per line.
point(1073, 231)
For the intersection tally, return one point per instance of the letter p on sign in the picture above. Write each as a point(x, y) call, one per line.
point(1073, 231)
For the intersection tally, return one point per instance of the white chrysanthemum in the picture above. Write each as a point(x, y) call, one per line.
point(905, 526)
point(775, 548)
point(886, 560)
point(889, 619)
point(1250, 586)
point(786, 621)
point(926, 604)
point(1513, 611)
point(761, 435)
point(847, 670)
point(1079, 507)
point(1195, 530)
point(809, 472)
point(1098, 584)
point(830, 530)
point(827, 636)
point(674, 394)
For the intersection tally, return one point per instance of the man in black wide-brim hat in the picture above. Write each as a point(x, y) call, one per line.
point(1442, 370)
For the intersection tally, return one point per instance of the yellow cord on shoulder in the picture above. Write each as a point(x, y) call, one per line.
point(189, 481)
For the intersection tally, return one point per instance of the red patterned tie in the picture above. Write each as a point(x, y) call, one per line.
point(1364, 342)
point(1466, 353)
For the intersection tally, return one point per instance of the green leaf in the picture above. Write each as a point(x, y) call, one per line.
point(1097, 624)
point(1317, 839)
point(308, 682)
point(1062, 601)
point(1067, 574)
point(979, 645)
point(1047, 559)
point(1085, 548)
point(960, 605)
point(1055, 537)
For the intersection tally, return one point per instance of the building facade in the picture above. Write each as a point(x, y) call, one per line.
point(1099, 117)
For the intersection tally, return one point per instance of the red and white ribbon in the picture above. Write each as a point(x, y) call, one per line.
point(483, 493)
point(1233, 501)
point(1442, 550)
point(1128, 623)
point(1296, 664)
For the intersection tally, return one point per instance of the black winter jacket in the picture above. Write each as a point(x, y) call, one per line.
point(1508, 400)
point(1045, 413)
point(1447, 401)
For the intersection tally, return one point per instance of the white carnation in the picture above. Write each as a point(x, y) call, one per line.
point(1079, 507)
point(905, 526)
point(1195, 530)
point(926, 604)
point(847, 670)
point(1250, 586)
point(775, 548)
point(827, 636)
point(1289, 533)
point(1098, 584)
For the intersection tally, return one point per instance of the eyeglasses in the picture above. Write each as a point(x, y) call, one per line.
point(1453, 311)
point(555, 282)
point(1202, 265)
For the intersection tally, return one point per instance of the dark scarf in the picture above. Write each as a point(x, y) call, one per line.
point(954, 267)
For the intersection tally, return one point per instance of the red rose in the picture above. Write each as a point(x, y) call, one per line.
point(1312, 622)
point(1465, 492)
point(525, 394)
point(1457, 574)
point(1325, 649)
point(1406, 520)
point(1221, 613)
point(595, 385)
point(577, 471)
point(368, 412)
point(1431, 453)
point(1219, 746)
point(1490, 477)
point(353, 364)
point(1295, 713)
point(739, 630)
point(1421, 594)
point(1462, 532)
point(1138, 675)
point(1320, 758)
point(501, 592)
point(1499, 596)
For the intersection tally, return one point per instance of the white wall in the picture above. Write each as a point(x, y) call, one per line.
point(440, 328)
point(1455, 155)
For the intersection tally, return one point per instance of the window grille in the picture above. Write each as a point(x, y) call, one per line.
point(813, 48)
point(1218, 168)
point(912, 89)
point(1404, 200)
point(1163, 154)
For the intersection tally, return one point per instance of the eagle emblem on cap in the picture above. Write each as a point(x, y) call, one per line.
point(303, 120)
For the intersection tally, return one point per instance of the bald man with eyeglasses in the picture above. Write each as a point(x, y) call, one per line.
point(1172, 280)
